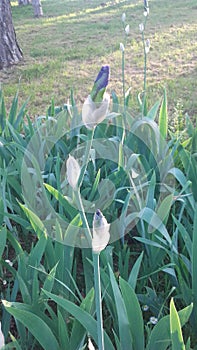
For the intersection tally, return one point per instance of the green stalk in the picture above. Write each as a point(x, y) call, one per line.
point(97, 284)
point(120, 156)
point(123, 79)
point(83, 217)
point(86, 156)
point(77, 192)
point(145, 69)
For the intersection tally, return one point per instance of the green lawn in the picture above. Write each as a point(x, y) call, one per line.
point(66, 48)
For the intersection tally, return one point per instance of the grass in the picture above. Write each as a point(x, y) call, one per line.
point(66, 48)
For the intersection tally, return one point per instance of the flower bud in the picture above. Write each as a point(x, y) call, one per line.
point(146, 13)
point(122, 47)
point(147, 46)
point(94, 113)
point(73, 172)
point(100, 232)
point(146, 8)
point(127, 29)
point(100, 84)
point(123, 17)
point(141, 27)
point(90, 345)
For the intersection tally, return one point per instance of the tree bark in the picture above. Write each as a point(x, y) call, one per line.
point(37, 8)
point(10, 52)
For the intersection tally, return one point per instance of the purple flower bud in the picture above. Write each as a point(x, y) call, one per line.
point(102, 78)
point(145, 4)
point(100, 84)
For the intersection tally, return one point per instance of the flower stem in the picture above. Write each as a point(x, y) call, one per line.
point(97, 284)
point(90, 134)
point(145, 69)
point(120, 161)
point(86, 156)
point(83, 217)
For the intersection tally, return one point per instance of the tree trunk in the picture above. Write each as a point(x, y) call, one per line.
point(10, 52)
point(37, 8)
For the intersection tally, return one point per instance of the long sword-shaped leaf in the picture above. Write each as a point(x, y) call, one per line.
point(83, 317)
point(35, 325)
point(163, 117)
point(3, 236)
point(134, 314)
point(160, 336)
point(175, 328)
point(123, 322)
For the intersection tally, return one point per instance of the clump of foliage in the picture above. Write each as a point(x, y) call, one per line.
point(129, 177)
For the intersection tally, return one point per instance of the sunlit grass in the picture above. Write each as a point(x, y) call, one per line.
point(66, 47)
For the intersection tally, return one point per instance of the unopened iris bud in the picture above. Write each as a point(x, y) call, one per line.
point(141, 27)
point(122, 47)
point(90, 345)
point(127, 29)
point(94, 113)
point(100, 232)
point(73, 171)
point(100, 85)
point(123, 17)
point(147, 46)
point(96, 105)
point(146, 8)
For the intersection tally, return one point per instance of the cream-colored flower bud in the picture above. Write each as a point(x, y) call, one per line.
point(122, 47)
point(94, 113)
point(146, 12)
point(147, 46)
point(73, 171)
point(100, 232)
point(141, 27)
point(127, 29)
point(123, 17)
point(90, 345)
